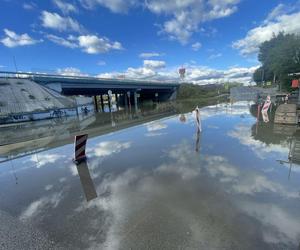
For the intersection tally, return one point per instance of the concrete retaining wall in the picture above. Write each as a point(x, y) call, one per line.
point(23, 100)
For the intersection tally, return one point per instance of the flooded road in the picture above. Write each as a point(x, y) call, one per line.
point(155, 184)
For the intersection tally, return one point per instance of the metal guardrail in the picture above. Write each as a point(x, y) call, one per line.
point(30, 75)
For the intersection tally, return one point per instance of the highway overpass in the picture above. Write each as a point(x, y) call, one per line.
point(92, 86)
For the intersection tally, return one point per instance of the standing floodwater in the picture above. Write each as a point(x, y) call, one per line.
point(156, 184)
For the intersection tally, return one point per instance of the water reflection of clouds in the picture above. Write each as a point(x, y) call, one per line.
point(235, 109)
point(43, 159)
point(39, 206)
point(183, 162)
point(128, 201)
point(156, 125)
point(278, 225)
point(97, 152)
point(125, 195)
point(107, 148)
point(154, 128)
point(151, 134)
point(116, 202)
point(261, 149)
point(204, 193)
point(48, 187)
point(247, 182)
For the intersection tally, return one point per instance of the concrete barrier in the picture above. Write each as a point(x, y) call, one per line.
point(286, 114)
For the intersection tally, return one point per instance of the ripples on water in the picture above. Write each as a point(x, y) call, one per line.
point(153, 182)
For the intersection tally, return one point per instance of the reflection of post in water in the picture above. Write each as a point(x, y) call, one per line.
point(37, 159)
point(113, 123)
point(257, 118)
point(216, 106)
point(293, 156)
point(86, 181)
point(197, 146)
point(196, 114)
point(13, 171)
point(265, 116)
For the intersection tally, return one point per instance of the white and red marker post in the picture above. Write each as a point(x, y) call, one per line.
point(80, 143)
point(197, 117)
point(267, 104)
point(265, 109)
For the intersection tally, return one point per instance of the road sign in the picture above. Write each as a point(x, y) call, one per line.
point(80, 143)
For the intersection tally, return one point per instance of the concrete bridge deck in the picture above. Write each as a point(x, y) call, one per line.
point(81, 85)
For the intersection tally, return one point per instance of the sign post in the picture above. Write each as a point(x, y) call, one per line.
point(80, 143)
point(109, 92)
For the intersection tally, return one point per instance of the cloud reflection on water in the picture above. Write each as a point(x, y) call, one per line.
point(210, 180)
point(107, 148)
point(42, 159)
point(41, 205)
point(186, 199)
point(243, 134)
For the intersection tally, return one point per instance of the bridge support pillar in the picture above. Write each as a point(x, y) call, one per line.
point(125, 101)
point(128, 95)
point(109, 102)
point(117, 101)
point(156, 97)
point(102, 104)
point(96, 103)
point(135, 101)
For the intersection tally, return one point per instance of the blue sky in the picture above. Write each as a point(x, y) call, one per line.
point(216, 40)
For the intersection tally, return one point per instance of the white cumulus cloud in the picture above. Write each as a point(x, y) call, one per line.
point(195, 74)
point(187, 15)
point(279, 20)
point(154, 64)
point(57, 22)
point(91, 44)
point(69, 42)
point(214, 56)
point(183, 17)
point(65, 7)
point(101, 63)
point(149, 54)
point(12, 39)
point(116, 6)
point(29, 6)
point(196, 46)
point(70, 71)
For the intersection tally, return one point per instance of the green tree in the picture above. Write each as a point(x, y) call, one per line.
point(279, 56)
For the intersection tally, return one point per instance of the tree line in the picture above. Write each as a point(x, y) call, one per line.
point(279, 57)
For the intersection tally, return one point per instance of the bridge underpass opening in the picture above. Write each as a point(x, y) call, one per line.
point(123, 97)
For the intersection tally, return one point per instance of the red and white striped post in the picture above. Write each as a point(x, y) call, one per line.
point(197, 117)
point(266, 104)
point(80, 143)
point(265, 109)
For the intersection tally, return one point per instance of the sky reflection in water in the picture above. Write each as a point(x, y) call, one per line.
point(162, 186)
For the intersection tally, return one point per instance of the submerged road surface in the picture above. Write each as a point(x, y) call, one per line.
point(159, 185)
